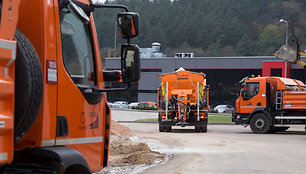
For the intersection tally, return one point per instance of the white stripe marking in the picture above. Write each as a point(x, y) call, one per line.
point(2, 124)
point(251, 106)
point(79, 140)
point(46, 143)
point(68, 141)
point(286, 107)
point(3, 156)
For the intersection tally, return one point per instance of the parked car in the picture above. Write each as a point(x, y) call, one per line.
point(133, 104)
point(147, 103)
point(121, 104)
point(111, 105)
point(224, 108)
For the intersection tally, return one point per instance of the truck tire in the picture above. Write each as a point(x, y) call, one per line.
point(168, 128)
point(162, 128)
point(28, 86)
point(203, 128)
point(197, 128)
point(260, 123)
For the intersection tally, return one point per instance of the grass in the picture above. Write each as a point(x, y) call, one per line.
point(211, 119)
point(219, 119)
point(147, 120)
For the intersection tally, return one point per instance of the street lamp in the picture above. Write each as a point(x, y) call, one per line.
point(284, 21)
point(286, 63)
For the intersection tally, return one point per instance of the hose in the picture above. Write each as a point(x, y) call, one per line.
point(188, 107)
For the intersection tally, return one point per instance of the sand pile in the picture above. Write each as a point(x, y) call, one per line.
point(124, 151)
point(118, 129)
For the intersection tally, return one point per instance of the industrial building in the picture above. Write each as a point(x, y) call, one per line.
point(223, 73)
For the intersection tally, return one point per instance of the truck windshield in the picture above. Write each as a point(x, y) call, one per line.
point(77, 50)
point(250, 90)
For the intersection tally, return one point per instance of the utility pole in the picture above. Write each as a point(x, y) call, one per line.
point(286, 63)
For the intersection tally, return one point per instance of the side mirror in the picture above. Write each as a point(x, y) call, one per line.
point(78, 12)
point(128, 24)
point(130, 63)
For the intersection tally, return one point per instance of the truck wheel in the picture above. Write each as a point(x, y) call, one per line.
point(168, 128)
point(203, 128)
point(28, 86)
point(197, 128)
point(162, 128)
point(260, 123)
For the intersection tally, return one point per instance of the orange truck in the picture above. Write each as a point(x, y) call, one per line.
point(54, 116)
point(183, 100)
point(270, 104)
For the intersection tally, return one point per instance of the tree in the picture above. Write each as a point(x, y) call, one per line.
point(270, 40)
point(245, 46)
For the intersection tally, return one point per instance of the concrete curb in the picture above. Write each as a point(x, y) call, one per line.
point(157, 122)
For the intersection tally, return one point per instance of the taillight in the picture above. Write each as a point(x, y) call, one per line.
point(163, 115)
point(202, 115)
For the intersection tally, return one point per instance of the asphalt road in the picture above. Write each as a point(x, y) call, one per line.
point(228, 149)
point(126, 115)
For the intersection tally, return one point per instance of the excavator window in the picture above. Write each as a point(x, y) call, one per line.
point(250, 90)
point(77, 50)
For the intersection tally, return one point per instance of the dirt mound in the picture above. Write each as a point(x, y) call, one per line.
point(120, 130)
point(126, 155)
point(124, 152)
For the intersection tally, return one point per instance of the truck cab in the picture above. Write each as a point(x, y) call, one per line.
point(61, 121)
point(252, 95)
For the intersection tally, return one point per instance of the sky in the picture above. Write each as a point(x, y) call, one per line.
point(99, 1)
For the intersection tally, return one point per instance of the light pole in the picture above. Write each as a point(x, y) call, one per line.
point(284, 21)
point(286, 63)
point(115, 43)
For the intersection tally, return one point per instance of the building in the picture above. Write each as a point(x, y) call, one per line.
point(152, 52)
point(184, 55)
point(223, 73)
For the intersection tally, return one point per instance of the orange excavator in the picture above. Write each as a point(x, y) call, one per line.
point(290, 52)
point(54, 117)
point(183, 100)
